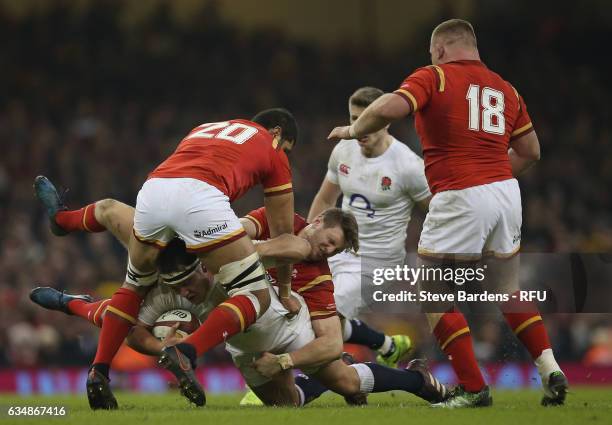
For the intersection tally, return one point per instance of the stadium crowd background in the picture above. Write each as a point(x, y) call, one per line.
point(95, 107)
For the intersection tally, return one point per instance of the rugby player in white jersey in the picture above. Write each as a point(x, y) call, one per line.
point(380, 180)
point(185, 285)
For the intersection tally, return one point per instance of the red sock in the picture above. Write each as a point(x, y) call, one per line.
point(123, 308)
point(83, 219)
point(453, 335)
point(227, 319)
point(92, 312)
point(526, 323)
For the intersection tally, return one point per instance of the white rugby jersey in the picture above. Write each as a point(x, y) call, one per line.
point(380, 192)
point(162, 298)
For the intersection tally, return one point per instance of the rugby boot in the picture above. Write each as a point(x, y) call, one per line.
point(251, 399)
point(181, 366)
point(555, 389)
point(459, 397)
point(52, 299)
point(52, 201)
point(401, 347)
point(99, 393)
point(433, 390)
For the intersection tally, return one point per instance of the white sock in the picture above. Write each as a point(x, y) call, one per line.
point(386, 347)
point(347, 330)
point(300, 396)
point(366, 377)
point(546, 364)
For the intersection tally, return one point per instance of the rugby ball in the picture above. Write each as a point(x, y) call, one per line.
point(187, 323)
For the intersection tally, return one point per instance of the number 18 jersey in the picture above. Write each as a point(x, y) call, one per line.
point(465, 116)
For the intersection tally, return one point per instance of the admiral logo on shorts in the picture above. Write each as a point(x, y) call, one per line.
point(209, 231)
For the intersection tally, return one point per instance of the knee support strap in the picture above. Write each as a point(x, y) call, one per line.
point(237, 275)
point(140, 278)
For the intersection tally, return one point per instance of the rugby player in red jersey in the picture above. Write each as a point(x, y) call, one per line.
point(314, 349)
point(189, 196)
point(477, 137)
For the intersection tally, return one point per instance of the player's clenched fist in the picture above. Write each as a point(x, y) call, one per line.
point(339, 133)
point(268, 365)
point(292, 305)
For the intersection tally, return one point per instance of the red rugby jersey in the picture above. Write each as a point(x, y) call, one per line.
point(465, 116)
point(312, 280)
point(233, 156)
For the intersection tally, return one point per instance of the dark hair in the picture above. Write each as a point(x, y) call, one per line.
point(455, 30)
point(278, 117)
point(174, 257)
point(346, 220)
point(364, 96)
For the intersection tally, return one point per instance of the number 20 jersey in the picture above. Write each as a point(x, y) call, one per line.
point(380, 192)
point(232, 156)
point(465, 116)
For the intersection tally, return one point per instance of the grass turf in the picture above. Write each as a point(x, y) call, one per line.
point(584, 405)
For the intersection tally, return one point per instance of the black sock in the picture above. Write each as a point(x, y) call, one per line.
point(364, 335)
point(190, 351)
point(387, 379)
point(311, 388)
point(102, 368)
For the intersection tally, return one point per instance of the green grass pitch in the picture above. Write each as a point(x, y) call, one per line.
point(584, 406)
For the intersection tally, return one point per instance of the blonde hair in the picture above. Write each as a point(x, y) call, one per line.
point(455, 30)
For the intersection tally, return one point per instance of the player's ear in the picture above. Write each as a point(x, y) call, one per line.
point(440, 51)
point(276, 132)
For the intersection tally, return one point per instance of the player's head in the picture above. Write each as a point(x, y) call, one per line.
point(453, 40)
point(281, 124)
point(331, 232)
point(183, 272)
point(358, 101)
point(197, 286)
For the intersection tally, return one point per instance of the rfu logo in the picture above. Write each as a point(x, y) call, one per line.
point(210, 230)
point(385, 183)
point(344, 169)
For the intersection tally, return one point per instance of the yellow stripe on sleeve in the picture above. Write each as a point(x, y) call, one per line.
point(440, 72)
point(314, 282)
point(278, 188)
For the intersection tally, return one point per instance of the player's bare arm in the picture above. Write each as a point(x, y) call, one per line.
point(142, 340)
point(326, 347)
point(279, 211)
point(285, 249)
point(524, 152)
point(424, 204)
point(326, 198)
point(249, 227)
point(380, 113)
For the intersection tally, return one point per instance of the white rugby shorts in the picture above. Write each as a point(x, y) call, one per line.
point(470, 223)
point(350, 273)
point(273, 333)
point(196, 211)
